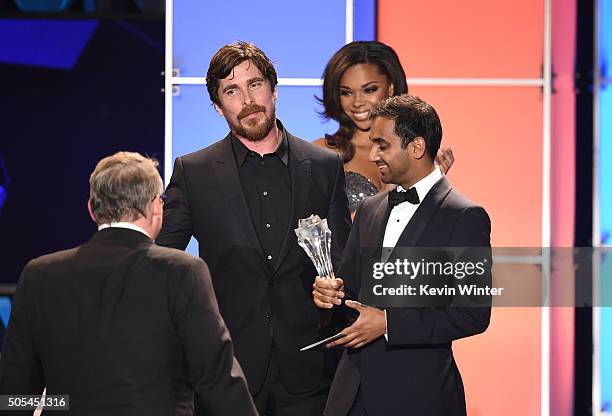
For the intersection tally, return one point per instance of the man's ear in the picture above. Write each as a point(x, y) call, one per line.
point(157, 208)
point(90, 209)
point(275, 93)
point(419, 147)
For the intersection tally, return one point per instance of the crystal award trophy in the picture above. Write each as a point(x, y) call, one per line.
point(314, 236)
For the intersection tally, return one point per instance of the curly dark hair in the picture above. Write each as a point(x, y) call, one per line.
point(359, 52)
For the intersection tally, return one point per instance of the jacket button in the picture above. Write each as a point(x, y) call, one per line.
point(269, 319)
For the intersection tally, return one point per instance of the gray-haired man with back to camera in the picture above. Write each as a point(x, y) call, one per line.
point(122, 326)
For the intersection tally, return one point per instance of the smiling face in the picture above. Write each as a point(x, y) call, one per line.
point(247, 102)
point(394, 163)
point(361, 87)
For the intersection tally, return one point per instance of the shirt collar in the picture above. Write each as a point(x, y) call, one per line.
point(424, 185)
point(123, 224)
point(282, 151)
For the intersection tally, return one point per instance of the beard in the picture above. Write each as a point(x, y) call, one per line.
point(253, 130)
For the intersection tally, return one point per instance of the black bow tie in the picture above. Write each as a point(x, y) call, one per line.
point(396, 197)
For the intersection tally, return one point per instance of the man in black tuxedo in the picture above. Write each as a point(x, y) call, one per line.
point(241, 198)
point(122, 326)
point(399, 361)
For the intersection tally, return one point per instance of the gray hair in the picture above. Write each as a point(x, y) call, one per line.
point(122, 186)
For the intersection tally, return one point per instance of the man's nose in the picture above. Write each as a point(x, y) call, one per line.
point(373, 156)
point(248, 99)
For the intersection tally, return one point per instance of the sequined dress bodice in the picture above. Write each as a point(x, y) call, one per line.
point(358, 188)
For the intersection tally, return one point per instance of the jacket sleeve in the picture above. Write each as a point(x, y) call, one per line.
point(214, 372)
point(20, 367)
point(466, 315)
point(177, 227)
point(339, 217)
point(350, 272)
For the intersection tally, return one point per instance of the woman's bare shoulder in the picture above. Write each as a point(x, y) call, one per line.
point(321, 142)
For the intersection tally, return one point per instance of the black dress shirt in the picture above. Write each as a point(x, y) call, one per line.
point(266, 184)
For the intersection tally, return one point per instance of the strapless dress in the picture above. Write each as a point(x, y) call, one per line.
point(358, 188)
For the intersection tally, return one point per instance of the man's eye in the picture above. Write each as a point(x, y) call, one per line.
point(256, 84)
point(231, 92)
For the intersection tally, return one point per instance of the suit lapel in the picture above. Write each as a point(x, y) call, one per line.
point(226, 172)
point(299, 170)
point(374, 233)
point(415, 227)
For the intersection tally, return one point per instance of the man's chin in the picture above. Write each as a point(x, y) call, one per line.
point(253, 134)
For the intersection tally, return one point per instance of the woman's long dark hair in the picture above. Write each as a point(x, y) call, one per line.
point(360, 52)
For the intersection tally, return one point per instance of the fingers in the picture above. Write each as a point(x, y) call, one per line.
point(369, 326)
point(321, 304)
point(329, 284)
point(323, 301)
point(353, 339)
point(327, 292)
point(357, 342)
point(355, 305)
point(445, 159)
point(349, 335)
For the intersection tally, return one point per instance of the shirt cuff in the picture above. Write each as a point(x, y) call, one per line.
point(386, 335)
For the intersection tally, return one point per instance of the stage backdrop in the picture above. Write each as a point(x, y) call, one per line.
point(481, 64)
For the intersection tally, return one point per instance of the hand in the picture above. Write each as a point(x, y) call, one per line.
point(327, 292)
point(370, 325)
point(445, 159)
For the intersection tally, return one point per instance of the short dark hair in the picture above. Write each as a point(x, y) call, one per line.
point(359, 52)
point(413, 118)
point(228, 57)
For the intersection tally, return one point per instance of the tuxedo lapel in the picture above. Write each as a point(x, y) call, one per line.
point(226, 172)
point(415, 227)
point(299, 170)
point(372, 225)
point(374, 230)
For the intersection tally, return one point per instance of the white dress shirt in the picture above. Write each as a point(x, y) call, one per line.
point(401, 215)
point(122, 224)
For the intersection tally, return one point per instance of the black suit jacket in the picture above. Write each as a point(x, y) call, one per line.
point(262, 306)
point(414, 373)
point(125, 328)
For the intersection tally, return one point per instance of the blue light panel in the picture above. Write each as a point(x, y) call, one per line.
point(5, 310)
point(299, 37)
point(364, 20)
point(47, 43)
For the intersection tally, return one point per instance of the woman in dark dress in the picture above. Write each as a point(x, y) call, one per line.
point(356, 78)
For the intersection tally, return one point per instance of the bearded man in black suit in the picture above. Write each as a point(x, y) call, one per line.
point(241, 198)
point(122, 326)
point(399, 360)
